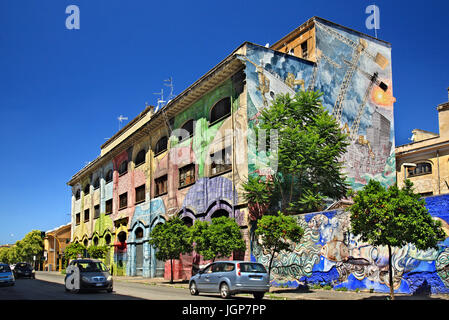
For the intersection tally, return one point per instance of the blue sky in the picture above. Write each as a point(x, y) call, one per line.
point(62, 90)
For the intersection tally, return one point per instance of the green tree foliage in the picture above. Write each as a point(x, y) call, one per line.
point(73, 250)
point(171, 239)
point(98, 252)
point(393, 217)
point(310, 144)
point(219, 238)
point(277, 232)
point(31, 246)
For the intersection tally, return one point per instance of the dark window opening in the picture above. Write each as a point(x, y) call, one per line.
point(220, 213)
point(121, 237)
point(187, 175)
point(85, 242)
point(140, 158)
point(123, 168)
point(78, 194)
point(86, 189)
point(86, 215)
point(123, 199)
point(107, 239)
point(139, 233)
point(187, 221)
point(97, 183)
point(161, 145)
point(108, 206)
point(420, 169)
point(140, 194)
point(220, 110)
point(96, 211)
point(109, 176)
point(161, 185)
point(78, 218)
point(189, 127)
point(304, 49)
point(95, 241)
point(221, 161)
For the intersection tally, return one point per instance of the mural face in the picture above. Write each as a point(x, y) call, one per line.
point(329, 254)
point(354, 74)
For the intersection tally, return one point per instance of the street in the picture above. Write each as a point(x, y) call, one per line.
point(51, 287)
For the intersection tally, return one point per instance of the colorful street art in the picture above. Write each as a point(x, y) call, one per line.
point(330, 254)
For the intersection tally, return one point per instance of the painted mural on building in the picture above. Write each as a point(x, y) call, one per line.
point(354, 73)
point(330, 254)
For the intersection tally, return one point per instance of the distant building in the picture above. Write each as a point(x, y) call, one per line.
point(55, 242)
point(425, 161)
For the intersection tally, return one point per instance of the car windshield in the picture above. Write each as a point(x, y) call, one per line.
point(22, 266)
point(252, 267)
point(4, 268)
point(92, 266)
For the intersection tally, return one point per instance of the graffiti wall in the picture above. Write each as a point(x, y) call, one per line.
point(354, 73)
point(330, 254)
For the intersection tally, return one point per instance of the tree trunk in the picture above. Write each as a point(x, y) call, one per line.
point(390, 273)
point(171, 270)
point(271, 263)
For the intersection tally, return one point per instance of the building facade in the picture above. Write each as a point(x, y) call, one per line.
point(425, 161)
point(151, 170)
point(55, 241)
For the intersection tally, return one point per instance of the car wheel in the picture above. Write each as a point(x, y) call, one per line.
point(224, 291)
point(258, 295)
point(193, 289)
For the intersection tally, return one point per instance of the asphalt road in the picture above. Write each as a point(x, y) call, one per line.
point(51, 287)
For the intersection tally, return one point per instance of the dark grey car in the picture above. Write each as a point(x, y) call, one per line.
point(231, 277)
point(87, 274)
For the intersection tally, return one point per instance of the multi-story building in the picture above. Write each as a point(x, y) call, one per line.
point(150, 171)
point(55, 241)
point(425, 161)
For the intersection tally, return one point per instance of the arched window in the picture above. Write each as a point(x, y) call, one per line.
point(109, 176)
point(219, 213)
point(107, 239)
point(138, 233)
point(140, 158)
point(97, 183)
point(96, 241)
point(123, 167)
point(420, 169)
point(188, 126)
point(85, 242)
point(187, 221)
point(86, 189)
point(161, 145)
point(121, 237)
point(220, 110)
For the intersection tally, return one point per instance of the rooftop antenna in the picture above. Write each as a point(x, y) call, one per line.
point(160, 100)
point(170, 85)
point(120, 120)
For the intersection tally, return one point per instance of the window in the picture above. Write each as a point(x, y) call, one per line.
point(86, 189)
point(188, 126)
point(187, 221)
point(123, 167)
point(139, 233)
point(77, 218)
point(108, 206)
point(187, 175)
point(252, 267)
point(107, 239)
point(304, 49)
point(161, 145)
point(86, 215)
point(109, 176)
point(420, 169)
point(78, 194)
point(96, 241)
point(97, 211)
point(140, 158)
point(97, 183)
point(221, 161)
point(220, 110)
point(123, 198)
point(161, 185)
point(140, 194)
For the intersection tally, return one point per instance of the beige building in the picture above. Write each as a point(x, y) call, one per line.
point(425, 161)
point(55, 242)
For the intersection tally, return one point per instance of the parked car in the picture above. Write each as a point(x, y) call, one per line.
point(87, 274)
point(231, 277)
point(24, 269)
point(6, 275)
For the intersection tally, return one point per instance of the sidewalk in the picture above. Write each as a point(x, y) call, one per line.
point(277, 293)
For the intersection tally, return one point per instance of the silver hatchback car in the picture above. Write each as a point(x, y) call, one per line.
point(231, 277)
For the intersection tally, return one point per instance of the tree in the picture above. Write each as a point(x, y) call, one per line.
point(310, 144)
point(171, 239)
point(31, 246)
point(276, 232)
point(219, 238)
point(98, 252)
point(393, 217)
point(73, 250)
